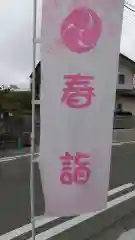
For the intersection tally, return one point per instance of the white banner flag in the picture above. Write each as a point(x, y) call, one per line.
point(80, 51)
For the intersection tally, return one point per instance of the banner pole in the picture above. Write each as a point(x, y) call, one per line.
point(32, 202)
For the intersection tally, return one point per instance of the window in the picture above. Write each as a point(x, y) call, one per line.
point(121, 78)
point(119, 107)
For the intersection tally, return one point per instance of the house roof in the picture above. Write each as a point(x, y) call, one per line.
point(127, 61)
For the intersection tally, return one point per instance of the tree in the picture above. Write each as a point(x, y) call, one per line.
point(4, 89)
point(16, 102)
point(3, 93)
point(13, 87)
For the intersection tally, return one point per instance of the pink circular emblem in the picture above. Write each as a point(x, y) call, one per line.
point(81, 30)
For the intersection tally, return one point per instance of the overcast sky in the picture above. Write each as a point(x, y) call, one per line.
point(128, 32)
point(16, 39)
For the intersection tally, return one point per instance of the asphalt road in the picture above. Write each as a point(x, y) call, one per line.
point(15, 187)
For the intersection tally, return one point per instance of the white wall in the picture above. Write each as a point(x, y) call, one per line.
point(128, 77)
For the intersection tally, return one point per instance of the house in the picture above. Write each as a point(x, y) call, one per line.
point(125, 90)
point(125, 94)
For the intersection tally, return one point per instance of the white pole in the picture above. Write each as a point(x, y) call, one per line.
point(33, 123)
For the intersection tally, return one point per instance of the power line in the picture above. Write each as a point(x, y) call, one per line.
point(129, 8)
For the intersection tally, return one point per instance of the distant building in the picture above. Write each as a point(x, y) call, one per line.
point(125, 91)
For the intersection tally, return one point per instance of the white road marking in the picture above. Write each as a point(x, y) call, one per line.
point(129, 235)
point(6, 159)
point(122, 143)
point(75, 221)
point(39, 221)
point(10, 158)
point(120, 189)
point(42, 220)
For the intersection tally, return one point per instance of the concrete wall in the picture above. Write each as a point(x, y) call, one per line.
point(123, 135)
point(128, 103)
point(124, 122)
